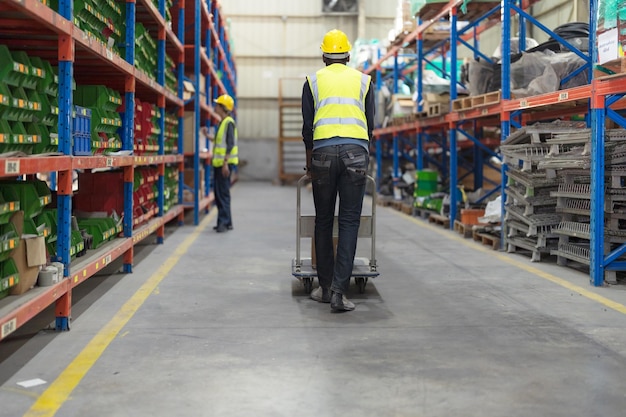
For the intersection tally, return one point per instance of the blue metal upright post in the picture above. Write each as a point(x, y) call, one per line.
point(522, 29)
point(379, 145)
point(181, 90)
point(505, 122)
point(197, 113)
point(419, 155)
point(596, 244)
point(64, 201)
point(64, 195)
point(161, 80)
point(129, 122)
point(453, 127)
point(396, 157)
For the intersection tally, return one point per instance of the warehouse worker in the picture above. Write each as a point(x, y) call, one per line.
point(338, 118)
point(224, 160)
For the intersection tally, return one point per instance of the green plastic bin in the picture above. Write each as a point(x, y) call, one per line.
point(9, 276)
point(12, 72)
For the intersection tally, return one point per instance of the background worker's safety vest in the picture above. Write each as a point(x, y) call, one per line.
point(339, 97)
point(219, 150)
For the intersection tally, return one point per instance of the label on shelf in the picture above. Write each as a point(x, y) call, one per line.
point(12, 166)
point(563, 96)
point(8, 328)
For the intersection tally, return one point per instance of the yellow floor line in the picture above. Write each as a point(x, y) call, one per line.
point(528, 268)
point(55, 396)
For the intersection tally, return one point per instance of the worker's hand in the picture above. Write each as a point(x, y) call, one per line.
point(225, 170)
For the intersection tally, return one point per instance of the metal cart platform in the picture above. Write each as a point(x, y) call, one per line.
point(363, 268)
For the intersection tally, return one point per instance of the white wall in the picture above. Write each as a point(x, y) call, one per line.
point(280, 38)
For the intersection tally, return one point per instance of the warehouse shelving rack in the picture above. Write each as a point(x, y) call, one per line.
point(599, 100)
point(208, 56)
point(77, 54)
point(481, 17)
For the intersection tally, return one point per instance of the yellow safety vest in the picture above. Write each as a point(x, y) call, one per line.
point(219, 150)
point(339, 97)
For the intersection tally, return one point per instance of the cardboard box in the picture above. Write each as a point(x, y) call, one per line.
point(29, 256)
point(188, 130)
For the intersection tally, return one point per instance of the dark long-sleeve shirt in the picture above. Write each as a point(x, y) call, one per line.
point(308, 113)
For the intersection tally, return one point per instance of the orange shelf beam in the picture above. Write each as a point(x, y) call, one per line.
point(561, 96)
point(28, 165)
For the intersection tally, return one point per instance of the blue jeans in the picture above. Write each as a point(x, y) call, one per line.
point(221, 188)
point(337, 170)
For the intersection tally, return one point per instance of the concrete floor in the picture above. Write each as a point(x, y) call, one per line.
point(450, 328)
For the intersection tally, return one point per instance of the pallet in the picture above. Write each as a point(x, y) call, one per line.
point(407, 208)
point(467, 103)
point(463, 103)
point(384, 201)
point(487, 239)
point(422, 212)
point(409, 118)
point(439, 219)
point(463, 229)
point(403, 206)
point(486, 99)
point(437, 109)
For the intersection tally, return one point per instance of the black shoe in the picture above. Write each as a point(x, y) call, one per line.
point(338, 302)
point(321, 295)
point(221, 228)
point(229, 227)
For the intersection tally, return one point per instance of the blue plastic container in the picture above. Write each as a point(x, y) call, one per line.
point(81, 131)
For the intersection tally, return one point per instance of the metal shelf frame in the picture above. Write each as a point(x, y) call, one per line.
point(208, 54)
point(75, 52)
point(599, 100)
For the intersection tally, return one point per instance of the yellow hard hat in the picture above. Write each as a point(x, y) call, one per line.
point(336, 42)
point(226, 101)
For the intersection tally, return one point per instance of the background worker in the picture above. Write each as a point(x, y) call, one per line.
point(224, 160)
point(338, 118)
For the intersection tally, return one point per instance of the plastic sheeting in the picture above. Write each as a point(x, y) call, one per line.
point(532, 74)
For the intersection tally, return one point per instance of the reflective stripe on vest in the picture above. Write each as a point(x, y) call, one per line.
point(219, 150)
point(339, 97)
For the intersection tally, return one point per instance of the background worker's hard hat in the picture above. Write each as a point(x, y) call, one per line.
point(226, 101)
point(336, 44)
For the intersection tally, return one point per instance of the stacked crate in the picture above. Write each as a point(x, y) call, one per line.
point(171, 81)
point(155, 129)
point(20, 103)
point(531, 218)
point(171, 188)
point(103, 104)
point(9, 240)
point(145, 51)
point(101, 19)
point(171, 133)
point(549, 193)
point(49, 116)
point(145, 193)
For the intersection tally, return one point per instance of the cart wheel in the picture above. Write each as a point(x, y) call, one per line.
point(360, 282)
point(308, 284)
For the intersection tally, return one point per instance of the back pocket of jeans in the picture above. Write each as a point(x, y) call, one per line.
point(320, 171)
point(356, 167)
